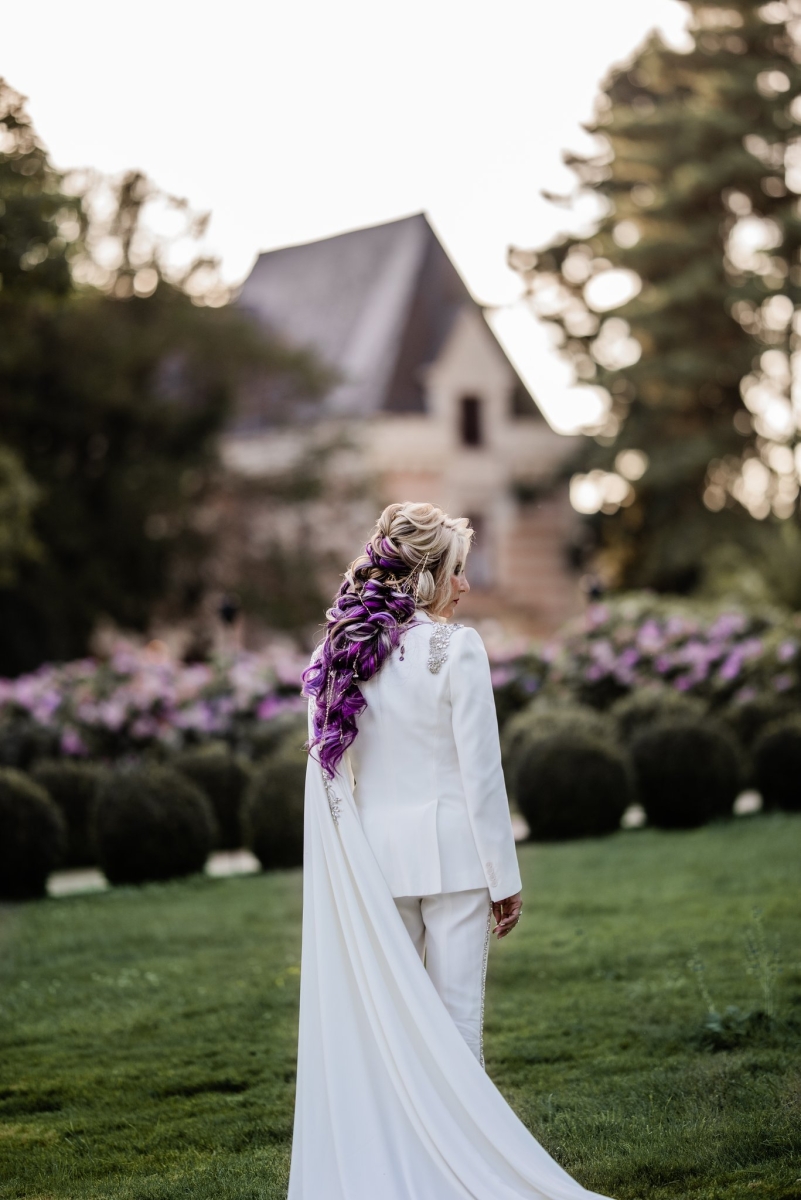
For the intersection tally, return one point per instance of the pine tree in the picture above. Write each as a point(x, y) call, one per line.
point(696, 175)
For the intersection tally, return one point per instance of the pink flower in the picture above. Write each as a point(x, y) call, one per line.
point(72, 744)
point(786, 651)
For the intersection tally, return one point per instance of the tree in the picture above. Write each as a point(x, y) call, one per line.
point(688, 286)
point(115, 379)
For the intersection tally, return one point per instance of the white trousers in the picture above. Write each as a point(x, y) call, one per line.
point(451, 933)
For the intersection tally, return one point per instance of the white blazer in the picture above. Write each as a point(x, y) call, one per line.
point(427, 767)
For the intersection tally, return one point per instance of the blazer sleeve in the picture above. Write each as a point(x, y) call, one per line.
point(475, 730)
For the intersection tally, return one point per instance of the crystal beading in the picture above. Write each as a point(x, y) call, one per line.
point(438, 646)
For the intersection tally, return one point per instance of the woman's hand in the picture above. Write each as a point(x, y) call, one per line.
point(507, 914)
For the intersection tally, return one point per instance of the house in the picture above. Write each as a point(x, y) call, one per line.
point(429, 405)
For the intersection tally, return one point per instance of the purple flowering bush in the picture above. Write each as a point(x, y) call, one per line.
point(726, 657)
point(142, 699)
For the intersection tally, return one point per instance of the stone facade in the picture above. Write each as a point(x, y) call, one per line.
point(438, 413)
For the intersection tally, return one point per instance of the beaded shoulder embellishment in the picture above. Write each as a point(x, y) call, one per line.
point(438, 646)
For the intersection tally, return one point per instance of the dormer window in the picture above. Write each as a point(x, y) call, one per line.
point(471, 425)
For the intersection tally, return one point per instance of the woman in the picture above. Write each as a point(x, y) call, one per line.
point(408, 855)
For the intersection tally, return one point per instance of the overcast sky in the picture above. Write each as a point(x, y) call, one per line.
point(293, 121)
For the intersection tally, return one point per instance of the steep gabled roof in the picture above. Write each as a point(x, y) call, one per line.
point(375, 304)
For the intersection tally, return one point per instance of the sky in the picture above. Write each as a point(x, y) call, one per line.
point(294, 121)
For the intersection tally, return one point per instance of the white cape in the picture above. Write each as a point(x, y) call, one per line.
point(391, 1104)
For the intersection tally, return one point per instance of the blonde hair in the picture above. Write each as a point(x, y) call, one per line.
point(427, 545)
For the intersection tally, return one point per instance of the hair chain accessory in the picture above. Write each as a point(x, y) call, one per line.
point(420, 570)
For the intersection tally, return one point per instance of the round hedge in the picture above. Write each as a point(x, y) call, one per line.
point(748, 720)
point(777, 764)
point(687, 772)
point(572, 784)
point(284, 728)
point(545, 719)
point(33, 836)
point(152, 823)
point(273, 807)
point(73, 788)
point(222, 777)
point(645, 707)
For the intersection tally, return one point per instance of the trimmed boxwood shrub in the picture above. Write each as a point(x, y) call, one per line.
point(222, 777)
point(544, 719)
point(572, 784)
point(271, 735)
point(23, 740)
point(645, 707)
point(273, 808)
point(777, 764)
point(33, 836)
point(152, 823)
point(748, 720)
point(73, 787)
point(687, 772)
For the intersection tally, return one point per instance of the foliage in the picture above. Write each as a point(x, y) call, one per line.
point(544, 719)
point(777, 764)
point(642, 708)
point(729, 1028)
point(687, 772)
point(720, 654)
point(572, 784)
point(516, 678)
point(273, 808)
point(748, 718)
point(32, 836)
point(152, 823)
point(286, 725)
point(73, 787)
point(143, 698)
point(19, 496)
point(164, 1020)
point(222, 777)
point(694, 178)
point(111, 398)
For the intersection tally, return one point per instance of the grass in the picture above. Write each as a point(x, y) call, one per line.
point(147, 1036)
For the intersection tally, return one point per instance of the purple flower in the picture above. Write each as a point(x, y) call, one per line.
point(597, 615)
point(726, 625)
point(268, 708)
point(782, 682)
point(731, 667)
point(786, 651)
point(650, 638)
point(72, 744)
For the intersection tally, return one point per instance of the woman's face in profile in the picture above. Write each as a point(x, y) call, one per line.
point(459, 587)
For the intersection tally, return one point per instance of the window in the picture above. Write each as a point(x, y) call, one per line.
point(471, 421)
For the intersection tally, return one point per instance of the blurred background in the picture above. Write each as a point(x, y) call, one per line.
point(264, 269)
point(263, 275)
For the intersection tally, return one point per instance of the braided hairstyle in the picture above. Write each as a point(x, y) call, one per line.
point(407, 565)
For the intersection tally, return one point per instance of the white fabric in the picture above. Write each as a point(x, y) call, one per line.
point(427, 763)
point(451, 932)
point(391, 1104)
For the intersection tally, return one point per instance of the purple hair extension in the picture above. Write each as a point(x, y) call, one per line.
point(363, 627)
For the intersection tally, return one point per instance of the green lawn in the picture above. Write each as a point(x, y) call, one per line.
point(147, 1041)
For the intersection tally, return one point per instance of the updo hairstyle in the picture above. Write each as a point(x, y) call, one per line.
point(415, 548)
point(407, 565)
